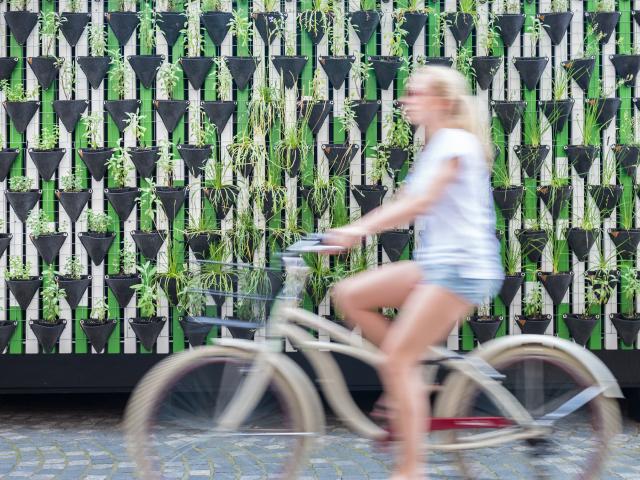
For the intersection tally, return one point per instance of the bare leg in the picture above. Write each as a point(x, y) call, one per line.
point(359, 297)
point(426, 318)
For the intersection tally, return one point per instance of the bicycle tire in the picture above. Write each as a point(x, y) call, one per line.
point(148, 395)
point(456, 400)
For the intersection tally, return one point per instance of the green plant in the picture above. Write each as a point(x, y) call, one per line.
point(532, 305)
point(51, 296)
point(535, 29)
point(278, 193)
point(462, 63)
point(49, 26)
point(147, 28)
point(128, 261)
point(73, 6)
point(500, 175)
point(191, 300)
point(39, 223)
point(224, 80)
point(202, 130)
point(397, 39)
point(247, 150)
point(73, 267)
point(135, 127)
point(125, 5)
point(347, 118)
point(97, 40)
point(193, 40)
point(146, 290)
point(467, 6)
point(211, 5)
point(99, 310)
point(399, 134)
point(120, 165)
point(18, 269)
point(512, 258)
point(97, 222)
point(605, 6)
point(324, 192)
point(335, 31)
point(534, 128)
point(559, 6)
point(246, 236)
point(360, 72)
point(67, 77)
point(591, 129)
point(319, 277)
point(599, 287)
point(590, 218)
point(380, 163)
point(148, 200)
point(17, 93)
point(166, 160)
point(488, 36)
point(362, 258)
point(290, 232)
point(265, 107)
point(557, 249)
point(168, 77)
point(630, 285)
point(628, 128)
point(560, 83)
point(93, 126)
point(239, 26)
point(20, 184)
point(317, 17)
point(293, 140)
point(608, 175)
point(48, 138)
point(119, 74)
point(18, 4)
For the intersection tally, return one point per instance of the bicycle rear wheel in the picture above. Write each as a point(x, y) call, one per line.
point(541, 379)
point(217, 410)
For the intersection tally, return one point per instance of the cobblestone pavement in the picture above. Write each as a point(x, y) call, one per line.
point(81, 439)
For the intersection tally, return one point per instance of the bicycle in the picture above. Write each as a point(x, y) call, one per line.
point(515, 391)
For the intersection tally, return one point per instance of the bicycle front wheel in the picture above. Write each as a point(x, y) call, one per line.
point(217, 411)
point(541, 380)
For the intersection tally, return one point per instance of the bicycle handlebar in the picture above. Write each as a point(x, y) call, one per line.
point(313, 243)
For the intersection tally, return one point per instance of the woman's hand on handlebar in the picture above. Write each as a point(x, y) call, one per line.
point(346, 237)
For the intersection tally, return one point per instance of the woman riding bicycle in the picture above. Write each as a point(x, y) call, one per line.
point(456, 262)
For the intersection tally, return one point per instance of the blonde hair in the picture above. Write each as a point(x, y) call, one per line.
point(467, 112)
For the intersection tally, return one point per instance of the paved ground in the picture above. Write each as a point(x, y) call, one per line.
point(79, 438)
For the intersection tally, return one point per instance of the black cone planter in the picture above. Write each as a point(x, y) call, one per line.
point(23, 202)
point(73, 202)
point(96, 160)
point(386, 69)
point(118, 110)
point(7, 157)
point(337, 69)
point(226, 199)
point(196, 70)
point(581, 157)
point(73, 25)
point(195, 157)
point(149, 243)
point(364, 22)
point(397, 158)
point(21, 23)
point(627, 327)
point(510, 287)
point(365, 111)
point(339, 156)
point(74, 289)
point(413, 24)
point(121, 285)
point(626, 242)
point(122, 200)
point(217, 25)
point(604, 23)
point(368, 196)
point(532, 158)
point(485, 328)
point(5, 238)
point(7, 66)
point(242, 333)
point(24, 290)
point(580, 241)
point(170, 288)
point(636, 16)
point(172, 199)
point(438, 61)
point(555, 198)
point(580, 70)
point(321, 22)
point(98, 333)
point(171, 23)
point(219, 112)
point(171, 111)
point(147, 329)
point(96, 244)
point(509, 26)
point(636, 102)
point(508, 200)
point(556, 284)
point(289, 68)
point(580, 326)
point(21, 113)
point(48, 246)
point(44, 69)
point(318, 114)
point(627, 157)
point(47, 333)
point(69, 112)
point(485, 68)
point(145, 159)
point(123, 24)
point(509, 113)
point(533, 325)
point(199, 243)
point(394, 242)
point(606, 108)
point(555, 24)
point(241, 69)
point(294, 156)
point(146, 67)
point(318, 210)
point(532, 243)
point(6, 332)
point(196, 332)
point(460, 25)
point(530, 70)
point(557, 112)
point(627, 67)
point(606, 197)
point(267, 24)
point(95, 69)
point(47, 161)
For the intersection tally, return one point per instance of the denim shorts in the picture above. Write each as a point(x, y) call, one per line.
point(474, 290)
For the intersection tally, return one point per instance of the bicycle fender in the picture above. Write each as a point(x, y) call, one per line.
point(596, 367)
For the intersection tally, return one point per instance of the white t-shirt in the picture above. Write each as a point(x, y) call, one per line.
point(459, 229)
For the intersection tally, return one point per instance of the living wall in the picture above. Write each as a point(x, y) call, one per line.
point(140, 136)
